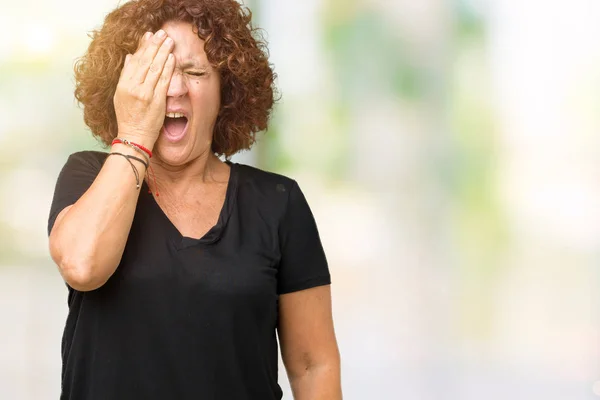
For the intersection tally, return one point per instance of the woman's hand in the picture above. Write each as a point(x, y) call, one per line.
point(140, 97)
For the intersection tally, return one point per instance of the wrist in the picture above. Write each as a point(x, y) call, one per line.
point(129, 150)
point(140, 148)
point(139, 139)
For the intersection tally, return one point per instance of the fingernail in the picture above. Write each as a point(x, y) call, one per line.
point(168, 40)
point(160, 33)
point(147, 35)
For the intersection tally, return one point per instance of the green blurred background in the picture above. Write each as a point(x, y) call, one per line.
point(450, 151)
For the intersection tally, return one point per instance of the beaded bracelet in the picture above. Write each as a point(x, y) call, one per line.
point(137, 147)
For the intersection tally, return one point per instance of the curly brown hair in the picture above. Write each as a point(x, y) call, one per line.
point(233, 46)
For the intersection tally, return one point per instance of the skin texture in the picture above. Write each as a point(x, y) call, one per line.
point(308, 345)
point(89, 237)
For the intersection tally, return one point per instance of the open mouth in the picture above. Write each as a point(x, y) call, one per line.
point(175, 126)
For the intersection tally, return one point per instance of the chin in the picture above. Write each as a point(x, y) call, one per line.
point(172, 154)
point(182, 151)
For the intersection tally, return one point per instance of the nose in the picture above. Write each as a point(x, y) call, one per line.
point(177, 87)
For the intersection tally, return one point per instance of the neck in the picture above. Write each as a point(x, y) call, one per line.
point(180, 178)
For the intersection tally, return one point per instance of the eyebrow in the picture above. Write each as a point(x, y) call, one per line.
point(189, 62)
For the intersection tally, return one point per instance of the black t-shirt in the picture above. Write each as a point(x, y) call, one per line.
point(185, 318)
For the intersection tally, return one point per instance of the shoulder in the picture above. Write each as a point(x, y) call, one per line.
point(89, 159)
point(265, 182)
point(89, 156)
point(269, 194)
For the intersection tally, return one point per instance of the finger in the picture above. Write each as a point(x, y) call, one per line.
point(149, 52)
point(129, 69)
point(144, 40)
point(127, 58)
point(157, 66)
point(162, 86)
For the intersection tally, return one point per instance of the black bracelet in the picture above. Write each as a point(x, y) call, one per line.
point(133, 158)
point(135, 171)
point(136, 148)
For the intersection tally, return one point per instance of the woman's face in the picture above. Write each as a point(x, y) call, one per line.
point(194, 95)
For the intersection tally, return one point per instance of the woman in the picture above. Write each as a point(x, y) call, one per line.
point(179, 293)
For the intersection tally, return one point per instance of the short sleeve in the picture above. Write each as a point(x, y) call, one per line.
point(75, 178)
point(303, 264)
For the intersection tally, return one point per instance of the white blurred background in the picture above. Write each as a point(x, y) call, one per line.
point(450, 151)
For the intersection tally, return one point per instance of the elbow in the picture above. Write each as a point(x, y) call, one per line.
point(81, 275)
point(323, 365)
point(79, 268)
point(79, 272)
point(81, 279)
point(320, 380)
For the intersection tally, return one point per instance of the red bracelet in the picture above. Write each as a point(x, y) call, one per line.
point(128, 143)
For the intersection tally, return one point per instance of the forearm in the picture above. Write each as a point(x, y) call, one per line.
point(320, 382)
point(87, 243)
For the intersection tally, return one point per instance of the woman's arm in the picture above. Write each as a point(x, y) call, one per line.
point(308, 344)
point(88, 237)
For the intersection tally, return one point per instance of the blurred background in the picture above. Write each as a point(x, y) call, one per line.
point(449, 149)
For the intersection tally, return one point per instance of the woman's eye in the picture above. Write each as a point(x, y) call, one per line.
point(196, 73)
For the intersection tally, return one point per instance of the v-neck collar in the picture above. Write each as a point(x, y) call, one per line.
point(216, 231)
